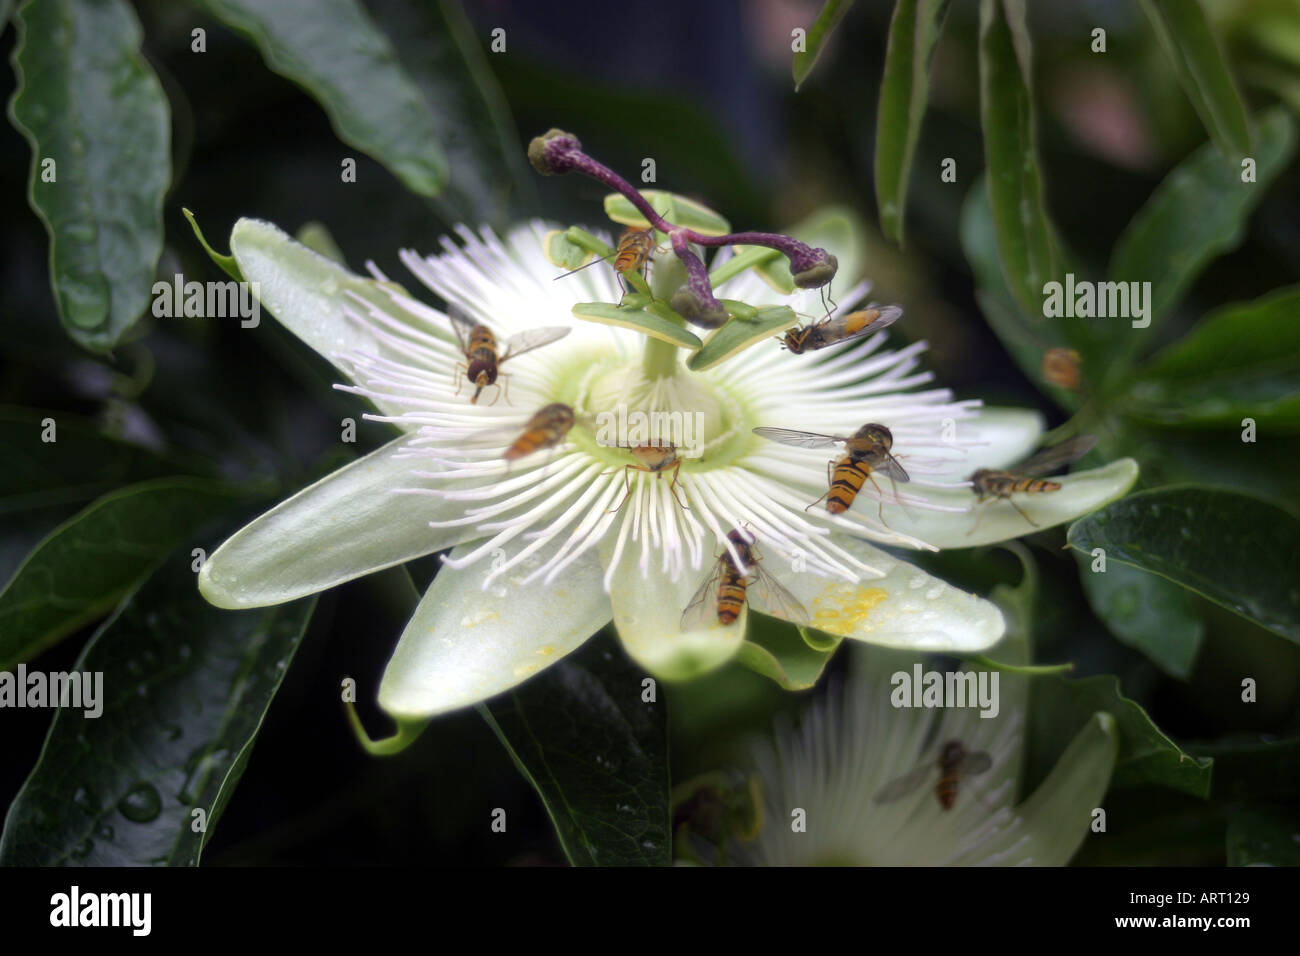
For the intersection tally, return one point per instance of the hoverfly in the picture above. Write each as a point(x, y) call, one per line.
point(831, 331)
point(954, 763)
point(634, 249)
point(546, 429)
point(724, 592)
point(657, 460)
point(482, 362)
point(992, 483)
point(868, 450)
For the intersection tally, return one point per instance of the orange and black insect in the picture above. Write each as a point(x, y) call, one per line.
point(546, 429)
point(954, 763)
point(657, 460)
point(723, 594)
point(867, 451)
point(635, 246)
point(989, 483)
point(831, 331)
point(483, 356)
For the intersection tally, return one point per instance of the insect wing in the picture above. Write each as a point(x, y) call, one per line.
point(775, 599)
point(462, 325)
point(702, 612)
point(531, 339)
point(837, 329)
point(892, 468)
point(788, 436)
point(897, 789)
point(975, 763)
point(587, 265)
point(1051, 460)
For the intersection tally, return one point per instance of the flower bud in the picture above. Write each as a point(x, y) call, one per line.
point(815, 271)
point(547, 152)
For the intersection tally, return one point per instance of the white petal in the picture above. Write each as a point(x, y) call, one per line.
point(1048, 828)
point(997, 520)
point(994, 438)
point(349, 523)
point(464, 644)
point(905, 608)
point(311, 296)
point(648, 612)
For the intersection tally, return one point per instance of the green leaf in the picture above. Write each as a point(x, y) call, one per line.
point(443, 53)
point(1238, 551)
point(334, 51)
point(88, 103)
point(638, 320)
point(1027, 336)
point(596, 753)
point(97, 557)
point(678, 210)
point(1145, 612)
point(185, 689)
point(1195, 215)
point(777, 649)
point(913, 37)
point(80, 464)
point(739, 334)
point(226, 263)
point(1263, 836)
point(1026, 240)
point(1242, 361)
point(832, 12)
point(1185, 34)
point(1146, 756)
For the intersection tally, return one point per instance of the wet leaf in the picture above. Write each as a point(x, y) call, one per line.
point(1146, 612)
point(1146, 755)
point(1241, 361)
point(95, 558)
point(596, 753)
point(97, 121)
point(334, 51)
point(185, 689)
point(1195, 215)
point(1238, 551)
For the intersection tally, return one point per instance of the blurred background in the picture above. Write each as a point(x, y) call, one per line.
point(705, 89)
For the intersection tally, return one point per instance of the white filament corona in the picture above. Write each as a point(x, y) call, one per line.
point(564, 501)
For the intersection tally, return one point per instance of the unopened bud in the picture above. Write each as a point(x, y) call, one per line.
point(813, 272)
point(548, 152)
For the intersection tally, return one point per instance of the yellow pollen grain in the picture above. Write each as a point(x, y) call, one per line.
point(845, 605)
point(546, 650)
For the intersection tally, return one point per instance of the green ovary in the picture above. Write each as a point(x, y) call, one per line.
point(618, 405)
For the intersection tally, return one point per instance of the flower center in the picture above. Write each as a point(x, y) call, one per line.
point(620, 407)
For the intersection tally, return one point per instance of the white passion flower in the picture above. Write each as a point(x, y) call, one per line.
point(547, 550)
point(865, 774)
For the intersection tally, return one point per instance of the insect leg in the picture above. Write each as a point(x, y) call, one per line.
point(672, 486)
